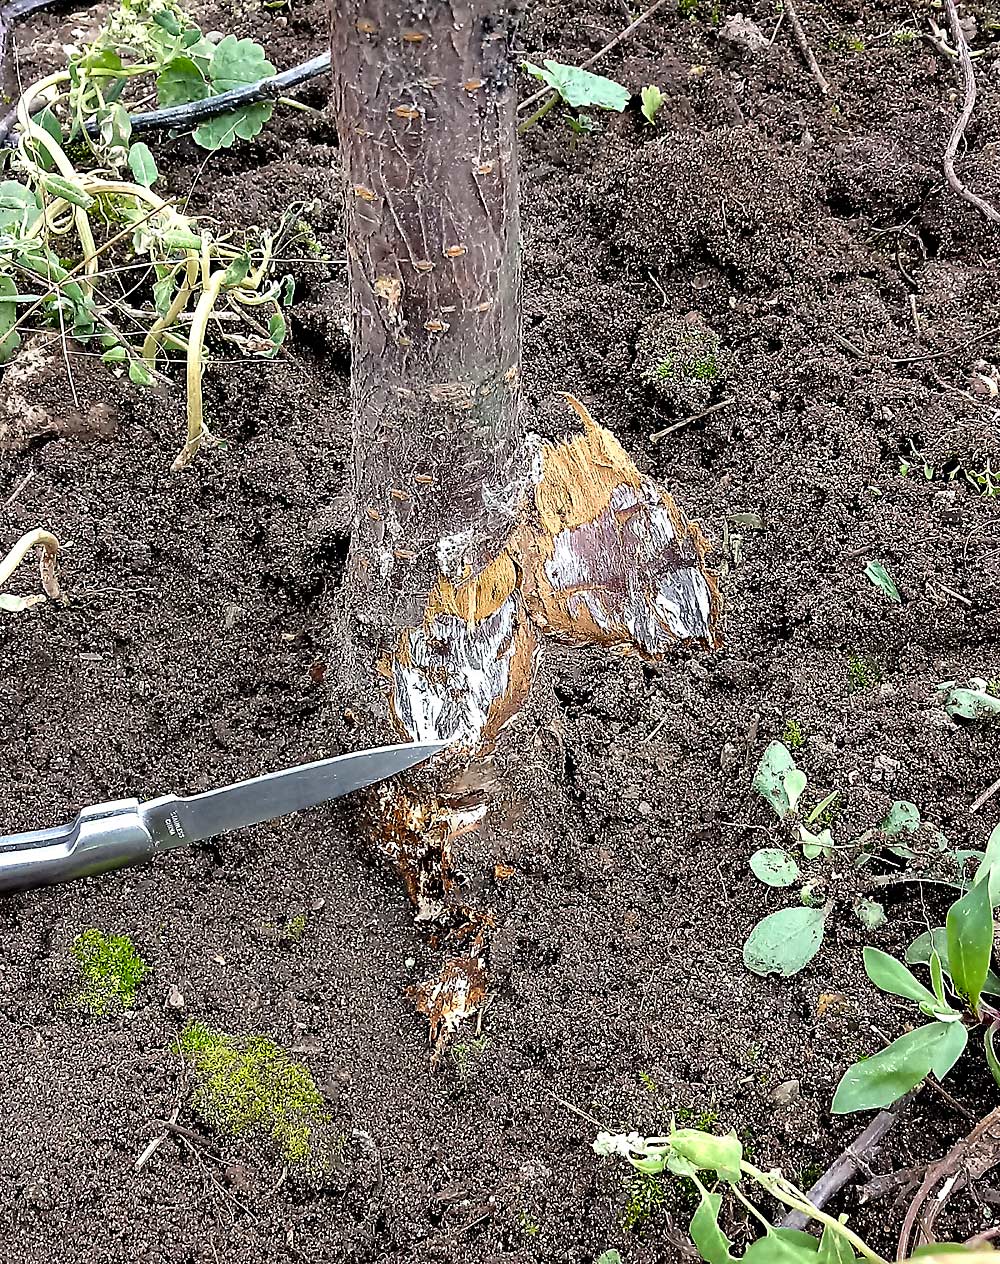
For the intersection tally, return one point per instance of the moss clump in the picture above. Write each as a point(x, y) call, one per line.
point(112, 971)
point(863, 673)
point(792, 735)
point(680, 359)
point(249, 1086)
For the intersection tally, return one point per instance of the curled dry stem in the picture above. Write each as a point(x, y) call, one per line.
point(49, 546)
point(196, 432)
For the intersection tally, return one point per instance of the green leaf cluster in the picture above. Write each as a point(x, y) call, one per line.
point(580, 88)
point(958, 956)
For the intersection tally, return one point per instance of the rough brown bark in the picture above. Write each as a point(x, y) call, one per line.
point(424, 98)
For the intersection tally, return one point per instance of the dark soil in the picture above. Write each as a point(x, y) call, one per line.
point(197, 644)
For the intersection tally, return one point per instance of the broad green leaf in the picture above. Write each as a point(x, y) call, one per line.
point(10, 339)
point(774, 867)
point(139, 374)
point(115, 355)
point(885, 1077)
point(242, 124)
point(709, 1152)
point(903, 818)
point(579, 87)
point(881, 578)
point(652, 102)
point(785, 941)
point(19, 207)
point(834, 1248)
point(277, 329)
point(49, 123)
point(992, 1061)
point(972, 704)
point(892, 976)
point(778, 780)
point(237, 62)
point(167, 21)
point(712, 1243)
point(179, 82)
point(142, 164)
point(783, 1246)
point(181, 239)
point(969, 928)
point(237, 270)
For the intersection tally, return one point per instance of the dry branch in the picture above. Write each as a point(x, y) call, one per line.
point(962, 122)
point(804, 48)
point(49, 546)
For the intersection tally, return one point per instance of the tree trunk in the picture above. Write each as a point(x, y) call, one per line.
point(424, 97)
point(471, 541)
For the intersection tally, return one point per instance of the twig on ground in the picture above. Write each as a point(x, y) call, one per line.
point(807, 53)
point(985, 796)
point(19, 489)
point(846, 1166)
point(705, 412)
point(528, 102)
point(968, 1160)
point(962, 122)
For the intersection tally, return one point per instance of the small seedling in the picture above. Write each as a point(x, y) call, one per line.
point(880, 577)
point(958, 957)
point(652, 102)
point(980, 700)
point(786, 941)
point(681, 359)
point(576, 88)
point(465, 1057)
point(529, 1227)
point(863, 673)
point(111, 970)
point(792, 735)
point(644, 1194)
point(248, 1086)
point(687, 1153)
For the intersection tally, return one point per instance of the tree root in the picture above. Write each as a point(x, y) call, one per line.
point(962, 122)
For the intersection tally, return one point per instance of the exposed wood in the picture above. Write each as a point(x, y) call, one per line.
point(962, 122)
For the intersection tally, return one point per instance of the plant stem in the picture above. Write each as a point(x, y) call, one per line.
point(538, 115)
point(152, 342)
point(195, 367)
point(778, 1187)
point(50, 549)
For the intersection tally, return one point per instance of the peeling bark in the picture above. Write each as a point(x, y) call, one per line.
point(472, 542)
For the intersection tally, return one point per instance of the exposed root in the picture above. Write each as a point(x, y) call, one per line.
point(49, 546)
point(448, 1001)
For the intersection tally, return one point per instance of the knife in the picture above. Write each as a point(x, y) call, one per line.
point(109, 836)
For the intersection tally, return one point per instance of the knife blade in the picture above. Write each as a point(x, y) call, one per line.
point(109, 836)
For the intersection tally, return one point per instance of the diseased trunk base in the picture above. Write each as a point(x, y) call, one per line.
point(598, 555)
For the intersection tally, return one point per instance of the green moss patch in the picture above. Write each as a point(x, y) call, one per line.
point(111, 969)
point(249, 1086)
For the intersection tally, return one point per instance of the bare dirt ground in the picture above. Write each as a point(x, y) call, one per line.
point(855, 299)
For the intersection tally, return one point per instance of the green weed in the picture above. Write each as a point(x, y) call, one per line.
point(792, 735)
point(644, 1194)
point(863, 673)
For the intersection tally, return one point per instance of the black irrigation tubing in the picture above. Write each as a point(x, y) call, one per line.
point(195, 112)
